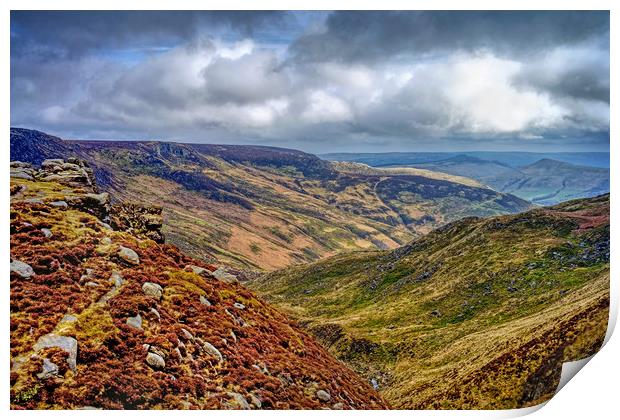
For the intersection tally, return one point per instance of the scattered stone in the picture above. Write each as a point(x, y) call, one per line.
point(198, 270)
point(186, 334)
point(374, 383)
point(436, 313)
point(69, 318)
point(47, 233)
point(48, 370)
point(155, 361)
point(205, 301)
point(210, 349)
point(34, 201)
point(116, 279)
point(323, 395)
point(21, 269)
point(152, 289)
point(233, 335)
point(338, 406)
point(135, 321)
point(239, 305)
point(105, 241)
point(60, 203)
point(156, 313)
point(68, 344)
point(223, 275)
point(239, 401)
point(256, 402)
point(92, 284)
point(128, 255)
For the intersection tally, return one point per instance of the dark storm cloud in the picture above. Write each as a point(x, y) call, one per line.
point(75, 33)
point(317, 81)
point(369, 36)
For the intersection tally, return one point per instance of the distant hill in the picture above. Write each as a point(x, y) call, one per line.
point(262, 207)
point(478, 314)
point(513, 159)
point(545, 181)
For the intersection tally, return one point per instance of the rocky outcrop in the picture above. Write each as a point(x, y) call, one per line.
point(139, 220)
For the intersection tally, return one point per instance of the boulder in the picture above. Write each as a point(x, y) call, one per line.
point(135, 321)
point(155, 360)
point(223, 275)
point(48, 370)
point(60, 203)
point(239, 305)
point(116, 279)
point(152, 289)
point(128, 255)
point(323, 395)
point(210, 349)
point(239, 401)
point(198, 270)
point(67, 344)
point(47, 233)
point(21, 269)
point(205, 301)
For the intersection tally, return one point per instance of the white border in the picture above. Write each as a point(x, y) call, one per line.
point(592, 394)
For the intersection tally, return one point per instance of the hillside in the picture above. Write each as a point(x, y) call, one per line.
point(550, 181)
point(263, 208)
point(113, 319)
point(479, 313)
point(545, 181)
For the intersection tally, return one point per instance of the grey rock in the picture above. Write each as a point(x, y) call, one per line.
point(210, 349)
point(116, 279)
point(374, 383)
point(69, 318)
point(34, 201)
point(198, 270)
point(21, 269)
point(152, 289)
point(102, 199)
point(135, 321)
point(239, 401)
point(155, 360)
point(68, 344)
point(48, 370)
point(239, 305)
point(338, 406)
point(92, 284)
point(60, 203)
point(223, 275)
point(128, 255)
point(47, 233)
point(49, 163)
point(105, 241)
point(156, 313)
point(205, 301)
point(186, 334)
point(323, 395)
point(256, 402)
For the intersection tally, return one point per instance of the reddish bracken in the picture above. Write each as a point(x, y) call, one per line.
point(235, 351)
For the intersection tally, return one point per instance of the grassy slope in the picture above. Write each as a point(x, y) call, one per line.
point(267, 360)
point(477, 314)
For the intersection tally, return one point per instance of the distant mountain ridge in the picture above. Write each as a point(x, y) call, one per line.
point(261, 207)
point(543, 181)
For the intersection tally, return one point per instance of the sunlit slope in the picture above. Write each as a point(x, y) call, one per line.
point(477, 314)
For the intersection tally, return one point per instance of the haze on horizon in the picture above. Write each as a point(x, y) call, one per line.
point(317, 81)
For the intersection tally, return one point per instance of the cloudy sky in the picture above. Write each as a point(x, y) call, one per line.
point(317, 81)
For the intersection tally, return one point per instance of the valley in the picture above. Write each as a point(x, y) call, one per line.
point(262, 208)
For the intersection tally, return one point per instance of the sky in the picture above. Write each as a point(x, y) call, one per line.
point(317, 81)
